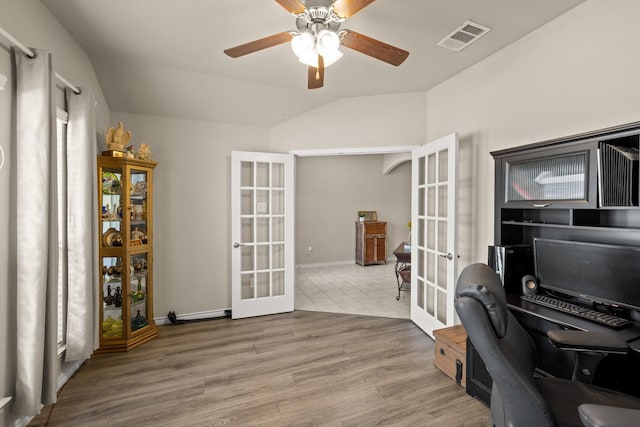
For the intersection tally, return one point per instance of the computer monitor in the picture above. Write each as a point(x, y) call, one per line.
point(599, 273)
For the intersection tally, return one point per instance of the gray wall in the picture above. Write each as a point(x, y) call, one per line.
point(192, 214)
point(191, 209)
point(330, 191)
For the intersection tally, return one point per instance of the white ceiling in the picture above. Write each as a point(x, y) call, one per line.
point(165, 57)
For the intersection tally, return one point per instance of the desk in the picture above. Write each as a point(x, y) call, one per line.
point(617, 372)
point(403, 268)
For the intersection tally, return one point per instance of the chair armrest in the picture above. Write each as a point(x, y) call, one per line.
point(587, 341)
point(608, 416)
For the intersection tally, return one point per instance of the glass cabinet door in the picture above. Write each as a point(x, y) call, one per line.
point(138, 290)
point(112, 269)
point(112, 208)
point(138, 205)
point(565, 177)
point(556, 178)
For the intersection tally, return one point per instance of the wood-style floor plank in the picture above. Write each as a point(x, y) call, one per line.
point(295, 369)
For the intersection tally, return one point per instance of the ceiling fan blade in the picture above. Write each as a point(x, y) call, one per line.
point(316, 75)
point(375, 48)
point(259, 44)
point(293, 6)
point(348, 8)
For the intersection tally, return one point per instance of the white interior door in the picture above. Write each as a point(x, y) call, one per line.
point(262, 226)
point(433, 243)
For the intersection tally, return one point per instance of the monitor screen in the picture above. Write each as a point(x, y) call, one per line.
point(600, 273)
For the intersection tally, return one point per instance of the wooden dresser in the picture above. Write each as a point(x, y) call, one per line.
point(371, 242)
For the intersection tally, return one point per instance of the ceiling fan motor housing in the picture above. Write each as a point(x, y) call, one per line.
point(316, 19)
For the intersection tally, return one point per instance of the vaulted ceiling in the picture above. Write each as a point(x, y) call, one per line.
point(165, 57)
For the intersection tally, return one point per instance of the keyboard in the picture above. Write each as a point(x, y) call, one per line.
point(586, 313)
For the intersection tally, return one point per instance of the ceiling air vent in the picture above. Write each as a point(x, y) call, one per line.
point(463, 36)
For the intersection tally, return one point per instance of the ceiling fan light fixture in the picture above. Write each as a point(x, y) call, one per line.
point(331, 57)
point(307, 47)
point(327, 42)
point(318, 37)
point(303, 45)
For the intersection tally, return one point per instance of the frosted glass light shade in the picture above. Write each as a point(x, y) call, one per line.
point(306, 46)
point(327, 42)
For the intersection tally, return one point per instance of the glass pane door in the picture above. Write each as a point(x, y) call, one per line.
point(138, 208)
point(433, 255)
point(262, 230)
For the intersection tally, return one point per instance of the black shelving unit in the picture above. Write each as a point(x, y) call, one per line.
point(554, 189)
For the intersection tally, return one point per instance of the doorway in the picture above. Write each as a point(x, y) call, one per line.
point(330, 189)
point(351, 289)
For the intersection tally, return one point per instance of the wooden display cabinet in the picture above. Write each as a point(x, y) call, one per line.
point(371, 242)
point(125, 293)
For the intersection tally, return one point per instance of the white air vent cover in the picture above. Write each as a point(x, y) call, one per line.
point(463, 36)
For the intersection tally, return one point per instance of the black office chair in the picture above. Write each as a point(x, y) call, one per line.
point(518, 398)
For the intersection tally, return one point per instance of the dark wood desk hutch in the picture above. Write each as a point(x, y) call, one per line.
point(582, 188)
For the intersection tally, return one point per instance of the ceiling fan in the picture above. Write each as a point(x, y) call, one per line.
point(319, 36)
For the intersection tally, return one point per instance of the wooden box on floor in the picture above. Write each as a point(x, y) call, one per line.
point(451, 352)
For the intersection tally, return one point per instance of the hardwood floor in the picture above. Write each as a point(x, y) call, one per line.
point(302, 368)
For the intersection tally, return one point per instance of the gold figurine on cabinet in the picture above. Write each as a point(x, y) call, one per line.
point(117, 138)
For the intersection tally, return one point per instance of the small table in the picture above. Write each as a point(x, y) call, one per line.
point(403, 268)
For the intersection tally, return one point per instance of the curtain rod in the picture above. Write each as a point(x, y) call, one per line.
point(30, 54)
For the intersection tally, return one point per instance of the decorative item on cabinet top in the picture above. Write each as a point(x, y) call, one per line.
point(117, 139)
point(368, 215)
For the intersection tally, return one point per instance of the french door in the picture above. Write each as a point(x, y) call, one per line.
point(262, 227)
point(433, 243)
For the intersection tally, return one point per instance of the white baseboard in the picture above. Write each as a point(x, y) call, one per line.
point(201, 315)
point(390, 260)
point(69, 369)
point(4, 401)
point(324, 264)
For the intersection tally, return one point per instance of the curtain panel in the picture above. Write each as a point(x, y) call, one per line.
point(55, 230)
point(36, 232)
point(81, 229)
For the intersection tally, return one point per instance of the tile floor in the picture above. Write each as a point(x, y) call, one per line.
point(351, 289)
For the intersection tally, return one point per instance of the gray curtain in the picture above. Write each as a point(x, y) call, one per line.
point(81, 232)
point(36, 231)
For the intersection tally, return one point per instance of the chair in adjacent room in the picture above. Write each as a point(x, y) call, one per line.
point(518, 397)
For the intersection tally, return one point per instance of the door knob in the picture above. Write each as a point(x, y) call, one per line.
point(237, 245)
point(448, 256)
